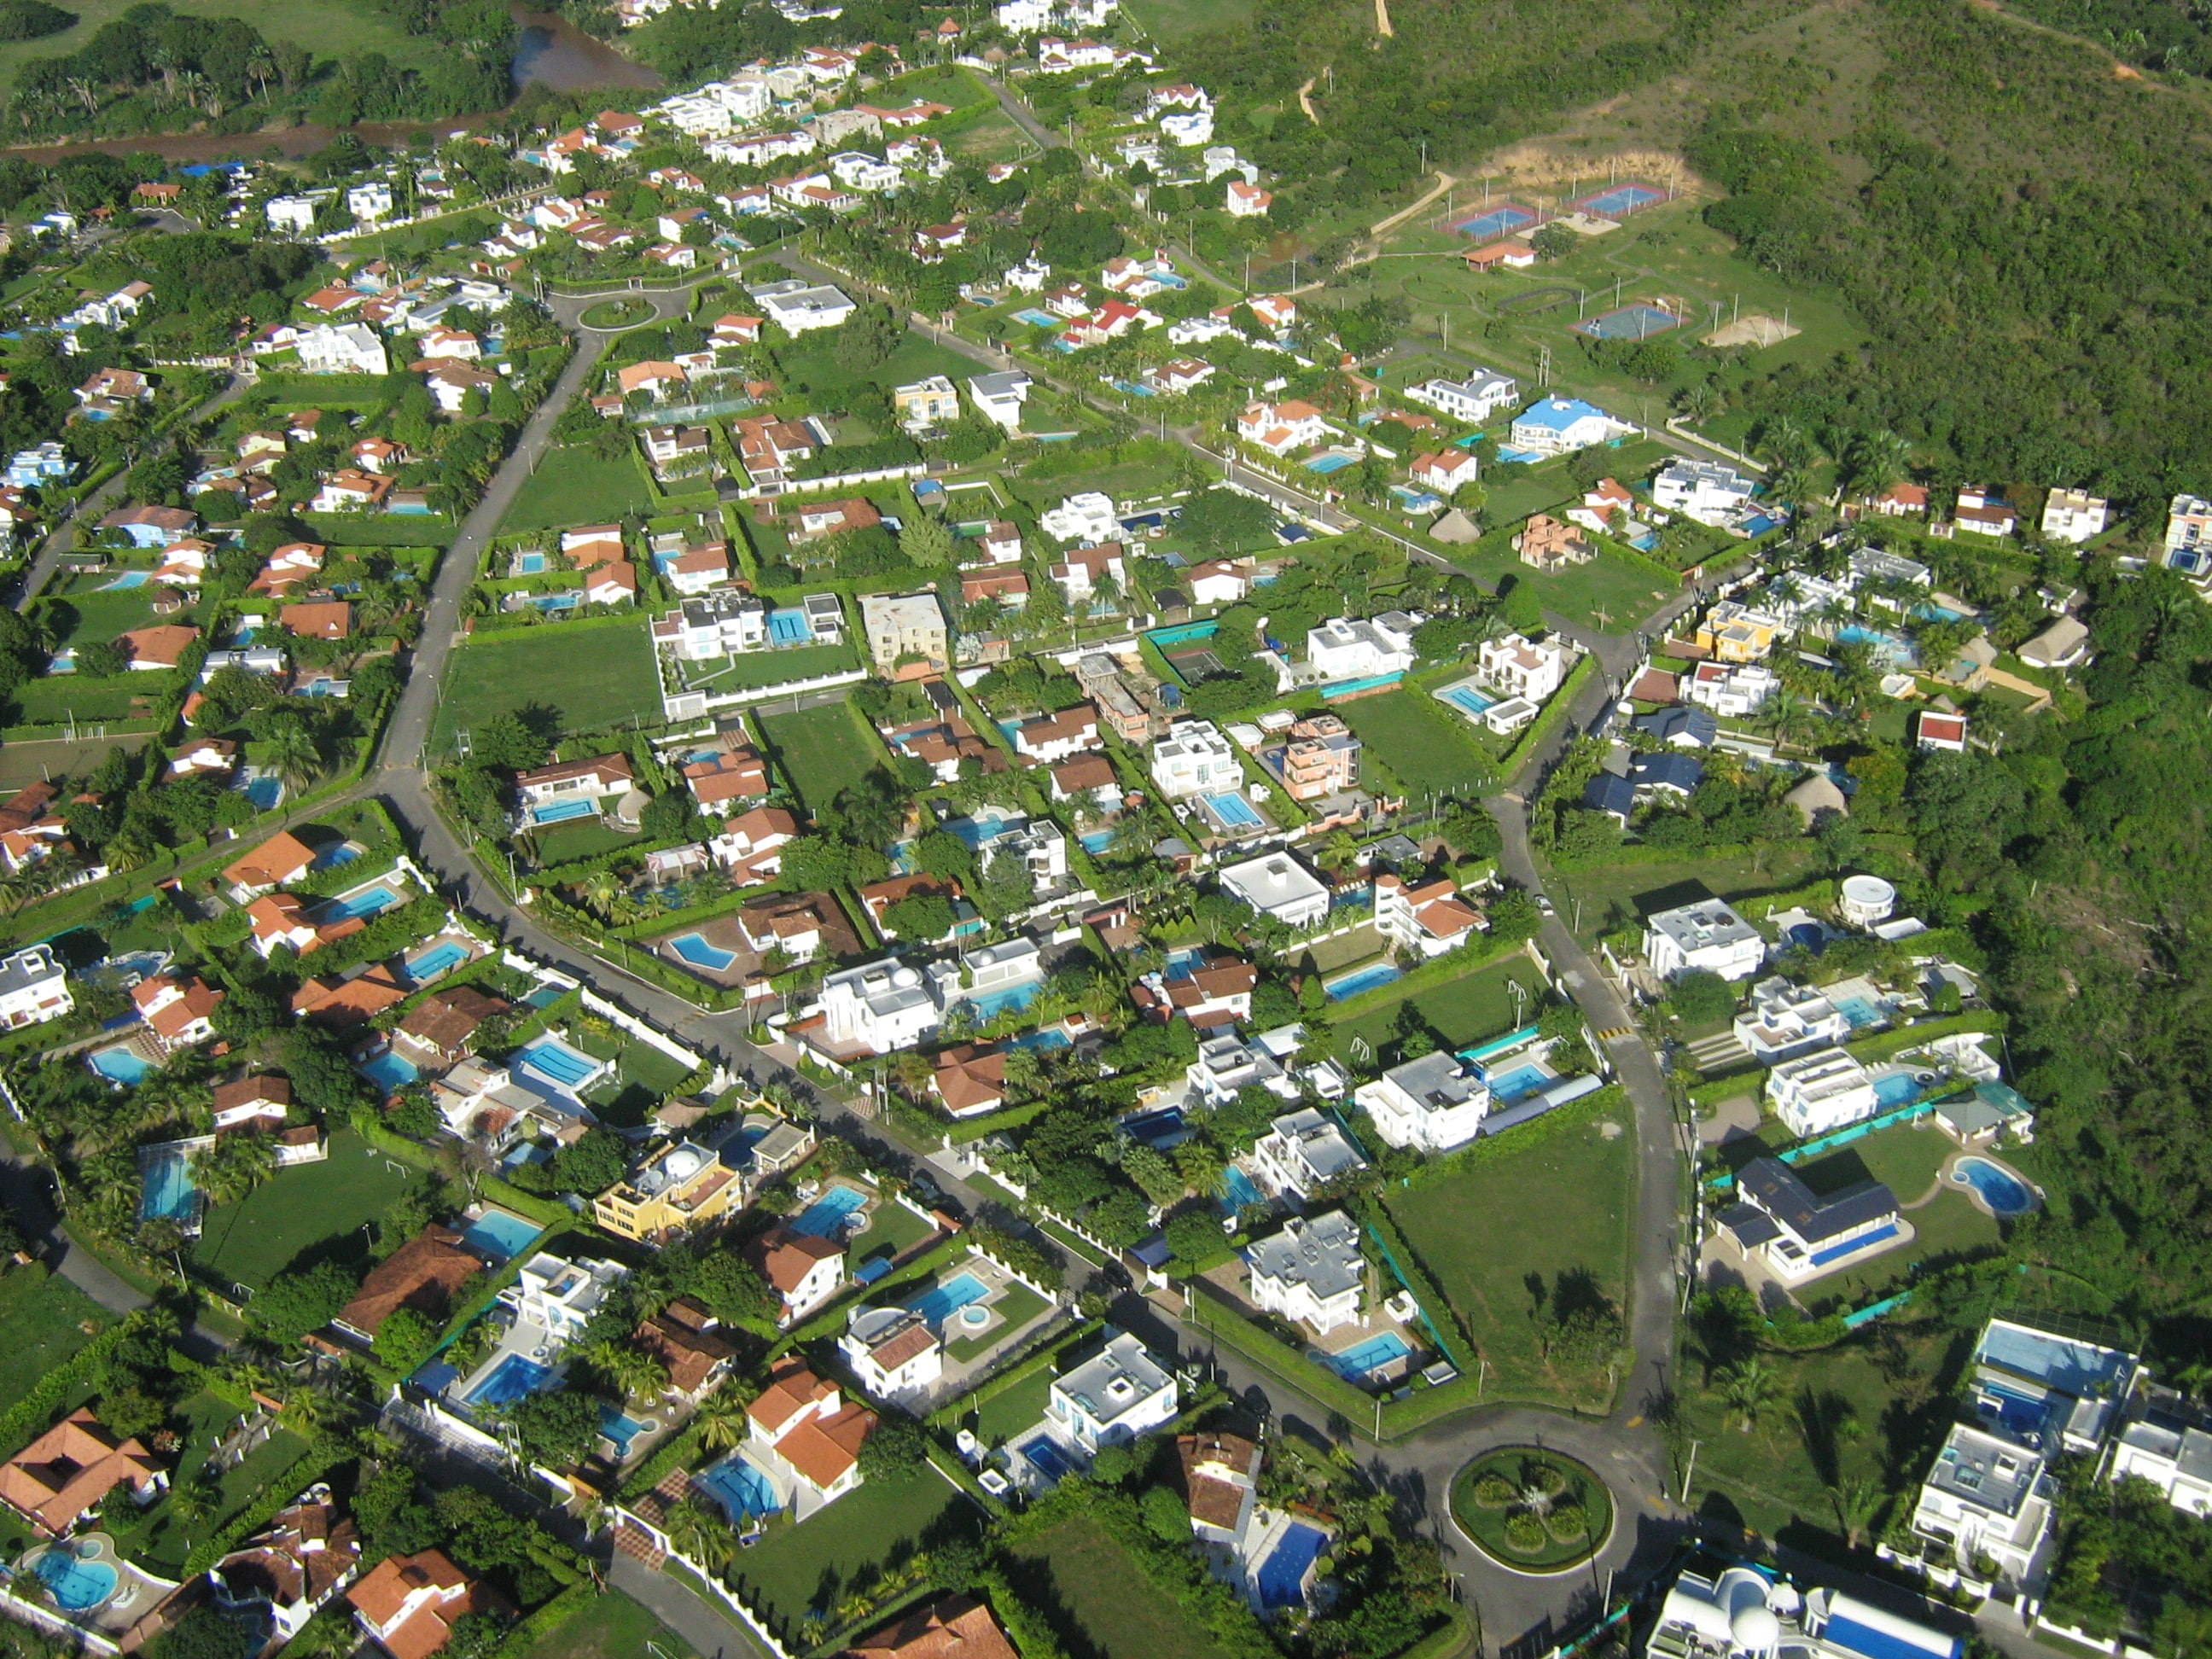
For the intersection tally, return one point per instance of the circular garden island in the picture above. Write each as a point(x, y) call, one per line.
point(1532, 1509)
point(617, 313)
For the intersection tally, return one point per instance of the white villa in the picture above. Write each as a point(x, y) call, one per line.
point(1276, 885)
point(1311, 1272)
point(1432, 1104)
point(884, 1007)
point(1822, 1090)
point(1195, 759)
point(1708, 934)
point(1522, 668)
point(1118, 1393)
point(1302, 1151)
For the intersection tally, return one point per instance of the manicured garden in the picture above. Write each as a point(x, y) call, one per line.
point(759, 668)
point(42, 1322)
point(1529, 1242)
point(617, 313)
point(297, 1210)
point(1534, 1509)
point(591, 677)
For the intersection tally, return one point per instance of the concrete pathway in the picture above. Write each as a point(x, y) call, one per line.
point(712, 1633)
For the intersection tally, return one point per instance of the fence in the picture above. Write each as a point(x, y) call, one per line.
point(47, 1621)
point(690, 705)
point(666, 1546)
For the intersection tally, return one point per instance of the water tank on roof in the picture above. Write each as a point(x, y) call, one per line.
point(1756, 1630)
point(683, 1163)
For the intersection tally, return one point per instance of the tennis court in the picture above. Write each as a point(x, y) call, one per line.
point(1618, 201)
point(1631, 322)
point(1500, 221)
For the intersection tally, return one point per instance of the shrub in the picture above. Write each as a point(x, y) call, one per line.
point(1524, 1535)
point(1494, 1491)
point(1567, 1522)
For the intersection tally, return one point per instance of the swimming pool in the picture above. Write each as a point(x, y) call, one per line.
point(1045, 1456)
point(77, 1583)
point(330, 857)
point(557, 1059)
point(1096, 840)
point(530, 564)
point(368, 901)
point(1234, 810)
point(1334, 461)
point(516, 1378)
point(129, 578)
point(2006, 1195)
point(1237, 1190)
point(563, 601)
point(1281, 1578)
point(620, 1428)
point(500, 1234)
point(940, 1302)
point(1051, 1037)
point(695, 949)
point(389, 1071)
point(121, 1064)
point(1518, 1084)
point(1369, 978)
point(1895, 1089)
point(1899, 651)
point(1356, 1362)
point(560, 812)
point(826, 1214)
point(440, 958)
point(1160, 1129)
point(979, 829)
point(1006, 999)
point(743, 1491)
point(1859, 1011)
point(266, 792)
point(166, 1192)
point(1467, 699)
point(788, 628)
point(1036, 319)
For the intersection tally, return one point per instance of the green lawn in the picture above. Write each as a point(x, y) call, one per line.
point(1462, 1012)
point(327, 27)
point(592, 678)
point(612, 1627)
point(1612, 592)
point(812, 370)
point(1011, 1410)
point(579, 838)
point(297, 1209)
point(576, 486)
point(892, 1229)
point(1614, 895)
point(101, 613)
point(759, 668)
point(1078, 1569)
point(160, 1540)
point(57, 698)
point(844, 1549)
point(1419, 746)
point(1559, 1208)
point(823, 749)
point(42, 1320)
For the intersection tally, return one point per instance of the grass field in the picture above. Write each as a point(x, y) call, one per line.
point(815, 371)
point(845, 1548)
point(1083, 1575)
point(24, 763)
point(42, 1320)
point(759, 668)
point(102, 612)
point(1617, 895)
point(1169, 18)
point(296, 1210)
point(1418, 747)
point(1014, 1409)
point(1462, 1012)
point(1612, 592)
point(823, 749)
point(327, 27)
point(55, 698)
point(994, 138)
point(573, 487)
point(592, 678)
point(612, 1627)
point(1556, 1209)
point(160, 1540)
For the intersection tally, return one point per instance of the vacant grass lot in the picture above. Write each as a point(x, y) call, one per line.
point(823, 749)
point(1418, 747)
point(1462, 1012)
point(327, 27)
point(56, 698)
point(295, 1210)
point(591, 678)
point(101, 612)
point(814, 370)
point(575, 486)
point(1557, 1210)
point(759, 668)
point(1616, 896)
point(1080, 1571)
point(845, 1548)
point(1612, 592)
point(42, 1320)
point(612, 1627)
point(1009, 1412)
point(1168, 18)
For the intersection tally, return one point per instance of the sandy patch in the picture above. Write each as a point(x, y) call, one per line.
point(1756, 330)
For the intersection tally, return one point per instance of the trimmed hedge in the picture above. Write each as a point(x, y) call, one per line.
point(29, 1416)
point(1315, 1381)
point(311, 1466)
point(1541, 730)
point(1458, 1347)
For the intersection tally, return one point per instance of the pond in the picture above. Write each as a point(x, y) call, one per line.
point(553, 52)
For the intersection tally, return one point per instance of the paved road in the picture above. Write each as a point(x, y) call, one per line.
point(712, 1633)
point(1039, 134)
point(26, 1190)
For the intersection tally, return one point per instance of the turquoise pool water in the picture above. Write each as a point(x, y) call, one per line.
point(743, 1491)
point(530, 564)
point(1518, 1084)
point(1234, 810)
point(940, 1302)
point(788, 628)
point(77, 1585)
point(826, 1214)
point(2006, 1196)
point(1356, 1361)
point(1859, 1011)
point(1096, 840)
point(267, 793)
point(1361, 978)
point(558, 1060)
point(166, 1191)
point(1237, 1190)
point(1006, 999)
point(1336, 461)
point(390, 1071)
point(516, 1378)
point(1895, 1089)
point(369, 902)
point(560, 812)
point(1282, 1576)
point(620, 1428)
point(129, 578)
point(1468, 700)
point(695, 949)
point(440, 958)
point(120, 1064)
point(501, 1234)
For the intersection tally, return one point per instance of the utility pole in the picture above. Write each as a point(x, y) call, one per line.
point(1688, 1469)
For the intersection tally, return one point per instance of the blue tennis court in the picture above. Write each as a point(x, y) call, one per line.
point(1500, 221)
point(1618, 201)
point(1631, 322)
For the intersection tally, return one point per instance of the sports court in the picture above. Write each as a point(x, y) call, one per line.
point(1631, 322)
point(1618, 201)
point(1492, 222)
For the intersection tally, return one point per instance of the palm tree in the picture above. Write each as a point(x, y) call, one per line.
point(1699, 403)
point(232, 1167)
point(601, 889)
point(1877, 460)
point(194, 1499)
point(701, 1535)
point(722, 1421)
point(1748, 1388)
point(293, 756)
point(1856, 1501)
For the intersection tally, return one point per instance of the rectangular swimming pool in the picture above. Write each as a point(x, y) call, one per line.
point(368, 901)
point(1237, 1190)
point(1373, 975)
point(440, 958)
point(1234, 810)
point(1048, 1459)
point(389, 1071)
point(1006, 999)
point(788, 628)
point(1519, 1082)
point(1356, 1362)
point(516, 1378)
point(744, 1492)
point(558, 1060)
point(1467, 699)
point(560, 812)
point(826, 1214)
point(500, 1234)
point(1281, 1577)
point(166, 1191)
point(940, 1302)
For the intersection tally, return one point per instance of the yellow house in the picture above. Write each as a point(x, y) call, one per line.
point(1736, 633)
point(680, 1187)
point(924, 403)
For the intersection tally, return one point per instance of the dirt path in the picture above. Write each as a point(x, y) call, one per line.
point(1305, 94)
point(1383, 18)
point(1444, 182)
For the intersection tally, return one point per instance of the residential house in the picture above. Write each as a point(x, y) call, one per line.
point(1737, 691)
point(1707, 934)
point(1045, 738)
point(1276, 885)
point(1088, 520)
point(1119, 1393)
point(806, 1437)
point(152, 527)
point(439, 1029)
point(2073, 515)
point(546, 789)
point(1280, 428)
point(1521, 667)
point(64, 1473)
point(1733, 632)
point(307, 1553)
point(1302, 1153)
point(1797, 1233)
point(683, 1337)
point(676, 1189)
point(1245, 201)
point(1983, 513)
point(1939, 729)
point(1082, 573)
point(1551, 544)
point(1087, 779)
point(1319, 759)
point(1428, 919)
point(925, 404)
point(882, 1006)
point(342, 349)
point(1217, 581)
point(1445, 470)
point(34, 987)
point(1346, 648)
point(279, 862)
point(1311, 1273)
point(410, 1605)
point(179, 1011)
point(1710, 492)
point(957, 1627)
point(799, 307)
point(907, 633)
point(1433, 1103)
point(750, 846)
point(968, 1081)
point(423, 1275)
point(1473, 400)
point(1786, 1020)
point(894, 1353)
point(1560, 426)
point(1826, 1088)
point(1213, 991)
point(1194, 759)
